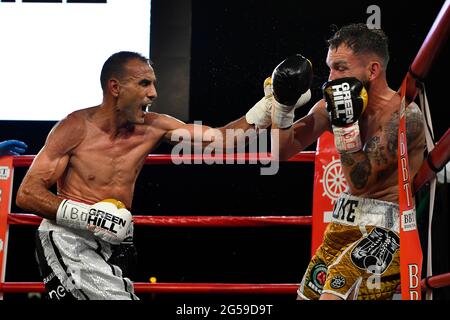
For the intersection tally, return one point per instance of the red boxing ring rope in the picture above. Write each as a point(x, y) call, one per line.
point(433, 282)
point(181, 221)
point(439, 157)
point(432, 45)
point(178, 288)
point(190, 221)
point(208, 221)
point(435, 161)
point(305, 156)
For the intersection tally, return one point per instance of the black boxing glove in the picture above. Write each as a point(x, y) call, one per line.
point(291, 82)
point(346, 100)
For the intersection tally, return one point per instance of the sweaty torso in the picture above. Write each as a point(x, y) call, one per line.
point(101, 166)
point(373, 173)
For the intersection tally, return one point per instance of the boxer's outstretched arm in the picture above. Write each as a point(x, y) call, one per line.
point(226, 137)
point(305, 131)
point(47, 167)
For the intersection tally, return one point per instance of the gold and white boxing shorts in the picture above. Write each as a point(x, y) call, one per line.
point(359, 257)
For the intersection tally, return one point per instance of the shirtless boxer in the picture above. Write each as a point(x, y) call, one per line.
point(94, 156)
point(362, 240)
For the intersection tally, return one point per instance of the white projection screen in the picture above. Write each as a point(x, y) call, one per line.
point(51, 54)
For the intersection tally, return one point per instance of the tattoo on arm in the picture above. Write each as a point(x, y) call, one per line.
point(414, 124)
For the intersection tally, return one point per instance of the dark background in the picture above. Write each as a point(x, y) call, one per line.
point(233, 47)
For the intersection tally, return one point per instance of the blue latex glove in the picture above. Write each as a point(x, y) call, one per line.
point(12, 148)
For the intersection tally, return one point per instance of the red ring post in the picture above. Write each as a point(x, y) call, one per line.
point(6, 185)
point(432, 45)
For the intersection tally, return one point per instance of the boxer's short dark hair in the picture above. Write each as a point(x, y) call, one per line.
point(361, 39)
point(114, 65)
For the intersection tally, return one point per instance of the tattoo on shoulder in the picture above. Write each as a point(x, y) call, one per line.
point(414, 128)
point(414, 124)
point(391, 131)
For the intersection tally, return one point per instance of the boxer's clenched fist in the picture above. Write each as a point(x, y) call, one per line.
point(108, 220)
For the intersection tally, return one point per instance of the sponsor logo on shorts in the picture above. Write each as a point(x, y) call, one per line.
point(317, 277)
point(337, 282)
point(345, 211)
point(58, 293)
point(375, 251)
point(48, 278)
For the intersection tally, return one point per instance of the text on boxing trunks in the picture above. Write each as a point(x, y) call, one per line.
point(345, 209)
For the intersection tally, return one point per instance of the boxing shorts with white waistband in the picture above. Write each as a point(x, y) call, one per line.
point(75, 265)
point(359, 256)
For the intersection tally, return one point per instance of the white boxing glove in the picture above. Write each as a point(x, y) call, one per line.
point(260, 113)
point(283, 115)
point(108, 220)
point(347, 139)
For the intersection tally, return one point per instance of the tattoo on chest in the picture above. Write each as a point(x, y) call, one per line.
point(376, 151)
point(381, 149)
point(360, 173)
point(347, 160)
point(360, 170)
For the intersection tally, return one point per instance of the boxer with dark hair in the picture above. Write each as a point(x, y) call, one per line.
point(94, 156)
point(362, 241)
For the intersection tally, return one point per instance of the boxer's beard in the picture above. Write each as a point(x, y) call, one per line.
point(366, 84)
